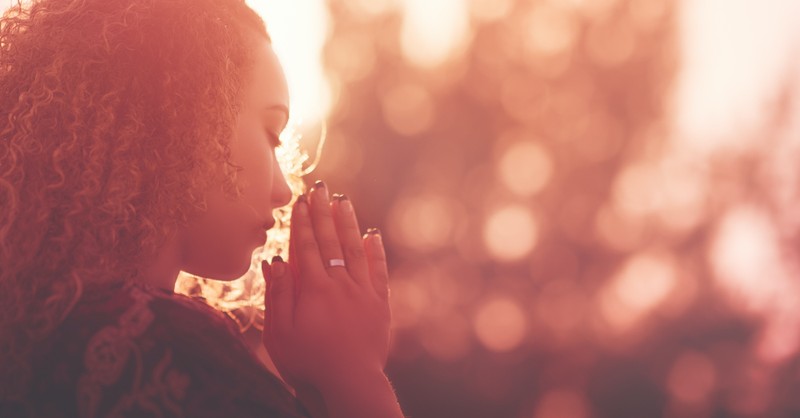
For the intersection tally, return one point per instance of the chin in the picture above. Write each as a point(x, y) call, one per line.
point(237, 272)
point(225, 271)
point(226, 258)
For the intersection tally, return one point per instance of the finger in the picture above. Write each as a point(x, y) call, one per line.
point(307, 261)
point(350, 237)
point(279, 309)
point(376, 259)
point(325, 230)
point(265, 271)
point(292, 261)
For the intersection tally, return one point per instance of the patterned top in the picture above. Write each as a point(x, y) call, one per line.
point(130, 350)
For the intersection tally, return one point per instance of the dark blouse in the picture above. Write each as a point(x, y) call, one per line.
point(130, 350)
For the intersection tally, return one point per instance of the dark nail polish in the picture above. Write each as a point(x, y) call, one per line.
point(319, 184)
point(339, 197)
point(374, 231)
point(277, 258)
point(302, 198)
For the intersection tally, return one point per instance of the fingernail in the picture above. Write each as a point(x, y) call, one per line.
point(346, 204)
point(377, 239)
point(302, 201)
point(320, 185)
point(277, 267)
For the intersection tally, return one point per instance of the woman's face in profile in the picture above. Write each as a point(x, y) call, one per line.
point(220, 243)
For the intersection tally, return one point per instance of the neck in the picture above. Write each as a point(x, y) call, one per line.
point(162, 271)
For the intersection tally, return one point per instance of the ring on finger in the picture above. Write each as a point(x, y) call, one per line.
point(336, 262)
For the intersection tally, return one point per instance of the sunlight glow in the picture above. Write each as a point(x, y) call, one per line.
point(734, 64)
point(299, 30)
point(743, 254)
point(434, 31)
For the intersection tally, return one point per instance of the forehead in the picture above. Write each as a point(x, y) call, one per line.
point(267, 82)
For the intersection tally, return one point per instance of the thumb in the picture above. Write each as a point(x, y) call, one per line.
point(280, 295)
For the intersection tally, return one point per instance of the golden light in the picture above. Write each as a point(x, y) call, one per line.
point(500, 324)
point(525, 168)
point(733, 64)
point(672, 190)
point(510, 233)
point(298, 32)
point(434, 31)
point(743, 254)
point(643, 283)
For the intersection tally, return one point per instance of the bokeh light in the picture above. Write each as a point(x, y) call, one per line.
point(589, 207)
point(500, 324)
point(510, 233)
point(643, 284)
point(525, 168)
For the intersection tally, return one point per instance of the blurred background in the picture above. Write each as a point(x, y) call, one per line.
point(589, 206)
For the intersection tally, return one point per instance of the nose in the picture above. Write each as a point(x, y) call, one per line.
point(281, 193)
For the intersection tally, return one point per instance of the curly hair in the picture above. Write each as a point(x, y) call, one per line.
point(115, 117)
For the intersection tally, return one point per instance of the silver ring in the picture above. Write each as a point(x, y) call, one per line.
point(336, 262)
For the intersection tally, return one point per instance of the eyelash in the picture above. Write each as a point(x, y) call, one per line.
point(274, 141)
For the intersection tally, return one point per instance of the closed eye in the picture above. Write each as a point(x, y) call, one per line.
point(274, 140)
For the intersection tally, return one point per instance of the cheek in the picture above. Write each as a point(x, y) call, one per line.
point(255, 157)
point(220, 244)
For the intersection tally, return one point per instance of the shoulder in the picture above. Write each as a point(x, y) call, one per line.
point(131, 350)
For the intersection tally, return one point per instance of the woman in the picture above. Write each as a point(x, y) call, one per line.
point(137, 140)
